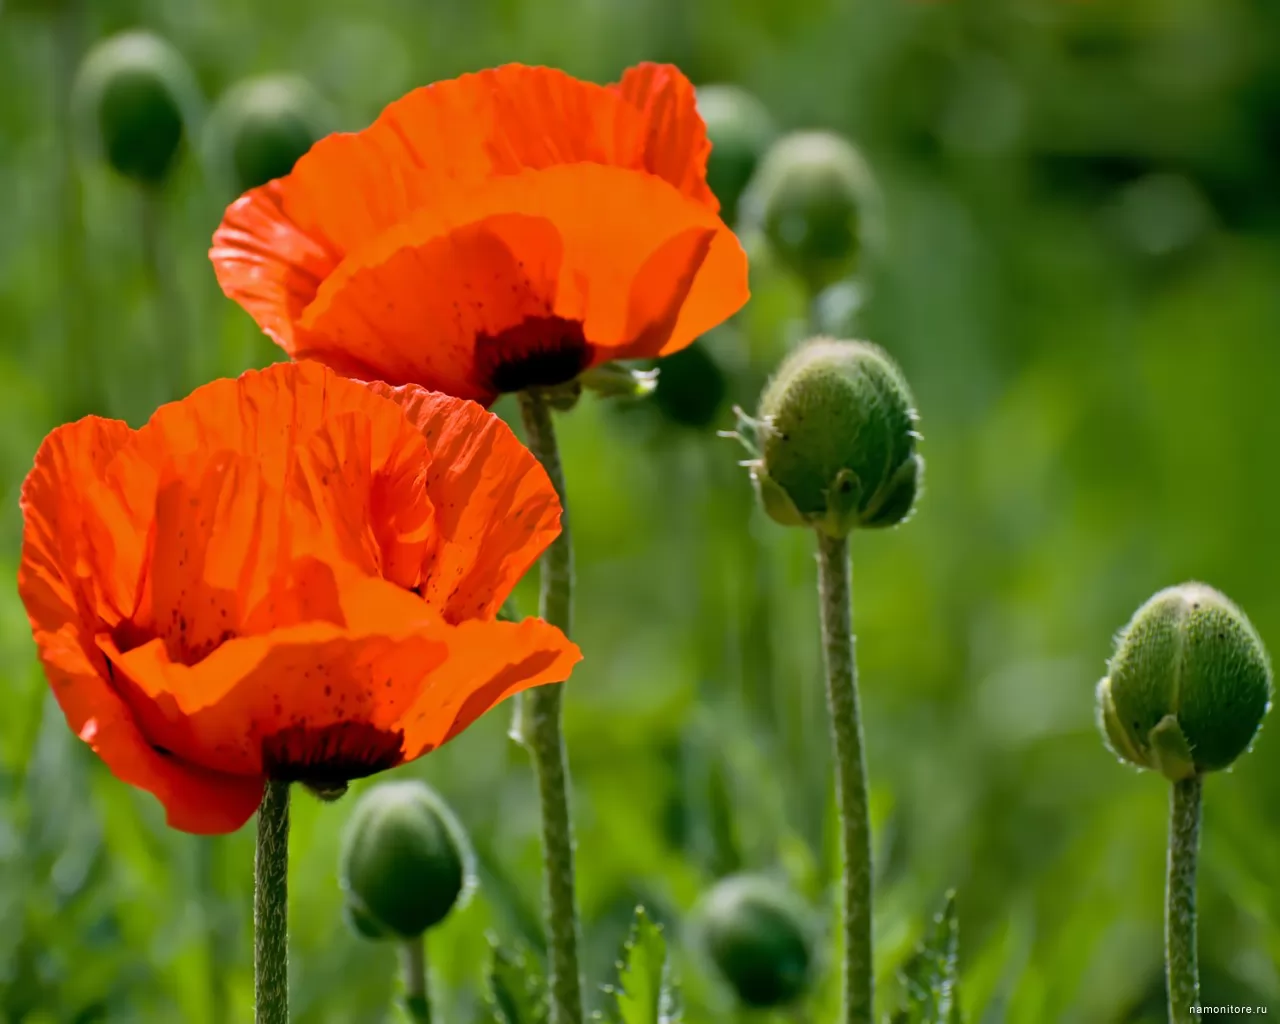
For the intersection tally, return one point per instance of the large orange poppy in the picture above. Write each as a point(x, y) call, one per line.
point(291, 575)
point(502, 230)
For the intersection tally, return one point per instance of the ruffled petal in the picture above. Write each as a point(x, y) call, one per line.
point(277, 244)
point(265, 477)
point(496, 509)
point(268, 262)
point(194, 798)
point(643, 268)
point(411, 311)
point(675, 145)
point(85, 528)
point(488, 662)
point(232, 711)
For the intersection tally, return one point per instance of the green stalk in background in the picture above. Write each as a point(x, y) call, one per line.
point(134, 96)
point(1185, 694)
point(271, 908)
point(835, 450)
point(417, 996)
point(542, 722)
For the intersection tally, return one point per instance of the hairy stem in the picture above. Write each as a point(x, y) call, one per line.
point(835, 593)
point(271, 908)
point(417, 995)
point(545, 739)
point(1180, 902)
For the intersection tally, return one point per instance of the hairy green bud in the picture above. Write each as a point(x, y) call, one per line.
point(759, 938)
point(405, 861)
point(741, 131)
point(1188, 685)
point(815, 199)
point(835, 440)
point(133, 97)
point(262, 125)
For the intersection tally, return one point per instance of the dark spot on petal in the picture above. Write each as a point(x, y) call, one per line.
point(326, 757)
point(540, 351)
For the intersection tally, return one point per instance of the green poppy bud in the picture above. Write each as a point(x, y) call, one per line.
point(133, 97)
point(405, 861)
point(759, 938)
point(813, 197)
point(691, 387)
point(262, 125)
point(836, 440)
point(1188, 685)
point(740, 130)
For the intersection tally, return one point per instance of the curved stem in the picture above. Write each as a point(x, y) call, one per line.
point(417, 993)
point(271, 908)
point(1180, 902)
point(835, 593)
point(546, 741)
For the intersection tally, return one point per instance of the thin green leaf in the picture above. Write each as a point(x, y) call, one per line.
point(929, 977)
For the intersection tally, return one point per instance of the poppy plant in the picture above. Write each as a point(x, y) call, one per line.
point(497, 232)
point(291, 576)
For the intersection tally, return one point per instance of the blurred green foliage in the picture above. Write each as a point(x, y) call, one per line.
point(1081, 279)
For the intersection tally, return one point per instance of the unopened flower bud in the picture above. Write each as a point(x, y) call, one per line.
point(740, 130)
point(691, 387)
point(133, 97)
point(758, 936)
point(1188, 685)
point(815, 199)
point(836, 440)
point(262, 125)
point(405, 861)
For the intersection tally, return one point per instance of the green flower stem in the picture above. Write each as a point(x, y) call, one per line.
point(835, 593)
point(79, 355)
point(271, 908)
point(417, 994)
point(172, 336)
point(1180, 902)
point(543, 715)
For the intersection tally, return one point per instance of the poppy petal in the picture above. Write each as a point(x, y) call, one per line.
point(57, 578)
point(413, 311)
point(268, 262)
point(194, 799)
point(224, 711)
point(496, 508)
point(676, 146)
point(617, 232)
point(277, 243)
point(488, 662)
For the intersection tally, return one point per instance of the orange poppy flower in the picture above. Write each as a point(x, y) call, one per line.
point(291, 576)
point(502, 230)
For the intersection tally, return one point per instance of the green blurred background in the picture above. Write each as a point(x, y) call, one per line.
point(1082, 280)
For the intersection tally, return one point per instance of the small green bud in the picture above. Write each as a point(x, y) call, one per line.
point(836, 440)
point(405, 861)
point(691, 387)
point(1188, 685)
point(815, 200)
point(133, 97)
point(759, 938)
point(740, 130)
point(262, 125)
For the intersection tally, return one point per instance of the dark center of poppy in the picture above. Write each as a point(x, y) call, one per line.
point(538, 352)
point(325, 758)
